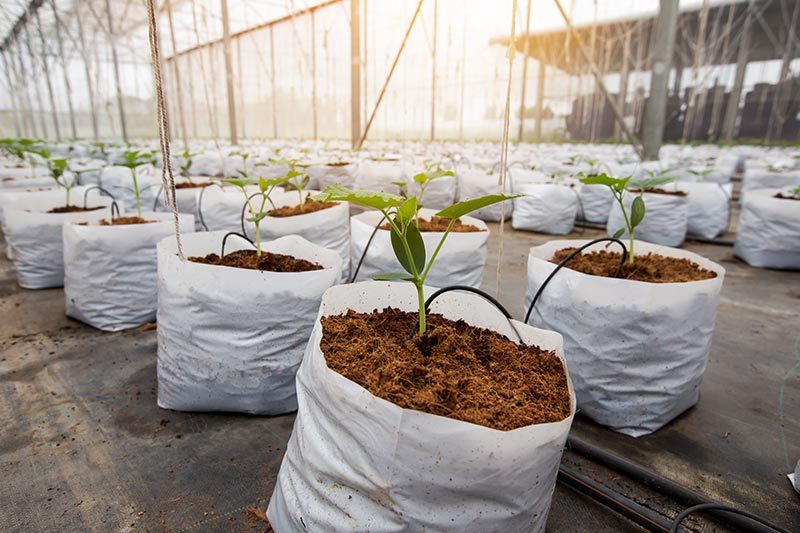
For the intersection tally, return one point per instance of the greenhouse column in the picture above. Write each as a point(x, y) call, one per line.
point(525, 54)
point(88, 75)
point(355, 73)
point(656, 107)
point(732, 110)
point(226, 50)
point(115, 61)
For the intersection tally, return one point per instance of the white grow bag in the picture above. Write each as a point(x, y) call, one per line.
point(110, 271)
point(379, 175)
point(636, 351)
point(545, 208)
point(35, 237)
point(460, 261)
point(356, 462)
point(474, 183)
point(596, 203)
point(769, 231)
point(231, 339)
point(220, 208)
point(118, 181)
point(322, 176)
point(186, 200)
point(25, 178)
point(666, 218)
point(708, 208)
point(329, 228)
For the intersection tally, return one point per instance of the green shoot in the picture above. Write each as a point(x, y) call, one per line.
point(423, 179)
point(132, 159)
point(293, 179)
point(186, 163)
point(407, 241)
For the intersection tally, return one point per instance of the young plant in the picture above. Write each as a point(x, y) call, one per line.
point(294, 179)
point(423, 179)
point(619, 186)
point(407, 241)
point(243, 172)
point(56, 167)
point(133, 159)
point(266, 188)
point(186, 163)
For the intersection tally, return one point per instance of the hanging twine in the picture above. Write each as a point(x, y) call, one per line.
point(504, 143)
point(167, 179)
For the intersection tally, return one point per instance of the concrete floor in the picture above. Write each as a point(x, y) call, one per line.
point(85, 448)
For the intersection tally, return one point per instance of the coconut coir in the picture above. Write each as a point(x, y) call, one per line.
point(268, 261)
point(654, 268)
point(192, 185)
point(660, 191)
point(440, 224)
point(73, 209)
point(124, 221)
point(454, 370)
point(309, 206)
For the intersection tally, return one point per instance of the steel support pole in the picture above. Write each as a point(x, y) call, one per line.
point(242, 111)
point(88, 74)
point(273, 82)
point(67, 83)
point(48, 81)
point(524, 82)
point(355, 74)
point(27, 113)
point(13, 94)
point(732, 110)
point(117, 82)
point(540, 81)
point(226, 50)
point(463, 77)
point(314, 76)
point(433, 68)
point(35, 81)
point(622, 97)
point(656, 106)
point(176, 71)
point(777, 118)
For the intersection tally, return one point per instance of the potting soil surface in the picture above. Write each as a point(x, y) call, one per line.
point(84, 447)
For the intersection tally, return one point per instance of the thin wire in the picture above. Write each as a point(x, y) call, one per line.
point(504, 144)
point(167, 178)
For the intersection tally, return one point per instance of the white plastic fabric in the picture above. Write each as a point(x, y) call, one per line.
point(322, 176)
point(35, 238)
point(439, 193)
point(769, 231)
point(118, 181)
point(596, 201)
point(460, 261)
point(636, 351)
point(186, 200)
point(231, 339)
point(759, 176)
point(379, 175)
point(665, 222)
point(356, 462)
point(708, 208)
point(329, 228)
point(545, 208)
point(473, 183)
point(110, 271)
point(24, 177)
point(220, 208)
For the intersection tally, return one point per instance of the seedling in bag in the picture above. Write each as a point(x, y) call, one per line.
point(294, 179)
point(133, 159)
point(619, 186)
point(423, 179)
point(57, 168)
point(186, 163)
point(407, 241)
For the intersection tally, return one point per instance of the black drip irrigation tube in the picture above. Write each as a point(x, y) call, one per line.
point(364, 253)
point(200, 205)
point(225, 239)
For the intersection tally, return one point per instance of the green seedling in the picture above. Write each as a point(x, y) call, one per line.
point(266, 188)
point(133, 159)
point(294, 179)
point(407, 241)
point(423, 179)
point(243, 172)
point(619, 186)
point(186, 163)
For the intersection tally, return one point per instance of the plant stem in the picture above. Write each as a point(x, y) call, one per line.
point(68, 190)
point(258, 239)
point(627, 225)
point(421, 302)
point(438, 247)
point(136, 192)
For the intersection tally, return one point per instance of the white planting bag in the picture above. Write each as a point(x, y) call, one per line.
point(35, 238)
point(460, 261)
point(231, 339)
point(118, 181)
point(220, 208)
point(596, 201)
point(636, 351)
point(25, 178)
point(356, 462)
point(545, 208)
point(439, 193)
point(110, 271)
point(379, 175)
point(769, 231)
point(708, 208)
point(666, 218)
point(759, 176)
point(322, 176)
point(329, 228)
point(186, 200)
point(474, 183)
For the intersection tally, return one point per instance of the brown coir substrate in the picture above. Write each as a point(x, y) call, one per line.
point(73, 209)
point(309, 206)
point(268, 261)
point(454, 370)
point(191, 185)
point(653, 268)
point(660, 191)
point(124, 221)
point(440, 224)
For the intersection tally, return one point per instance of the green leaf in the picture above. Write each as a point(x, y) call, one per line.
point(603, 179)
point(646, 184)
point(407, 211)
point(430, 175)
point(376, 199)
point(637, 211)
point(256, 217)
point(619, 233)
point(465, 207)
point(416, 245)
point(392, 276)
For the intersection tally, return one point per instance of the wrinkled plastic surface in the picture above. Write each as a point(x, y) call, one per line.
point(636, 351)
point(35, 236)
point(708, 208)
point(110, 271)
point(356, 462)
point(231, 339)
point(460, 261)
point(221, 208)
point(596, 203)
point(473, 183)
point(769, 231)
point(545, 208)
point(666, 218)
point(322, 176)
point(118, 181)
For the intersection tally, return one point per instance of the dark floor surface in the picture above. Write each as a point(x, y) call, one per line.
point(83, 446)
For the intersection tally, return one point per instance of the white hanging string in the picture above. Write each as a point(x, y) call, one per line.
point(504, 142)
point(167, 179)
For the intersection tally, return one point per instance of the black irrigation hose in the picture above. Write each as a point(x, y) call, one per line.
point(225, 239)
point(569, 258)
point(114, 206)
point(200, 205)
point(473, 290)
point(93, 187)
point(723, 508)
point(364, 253)
point(658, 482)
